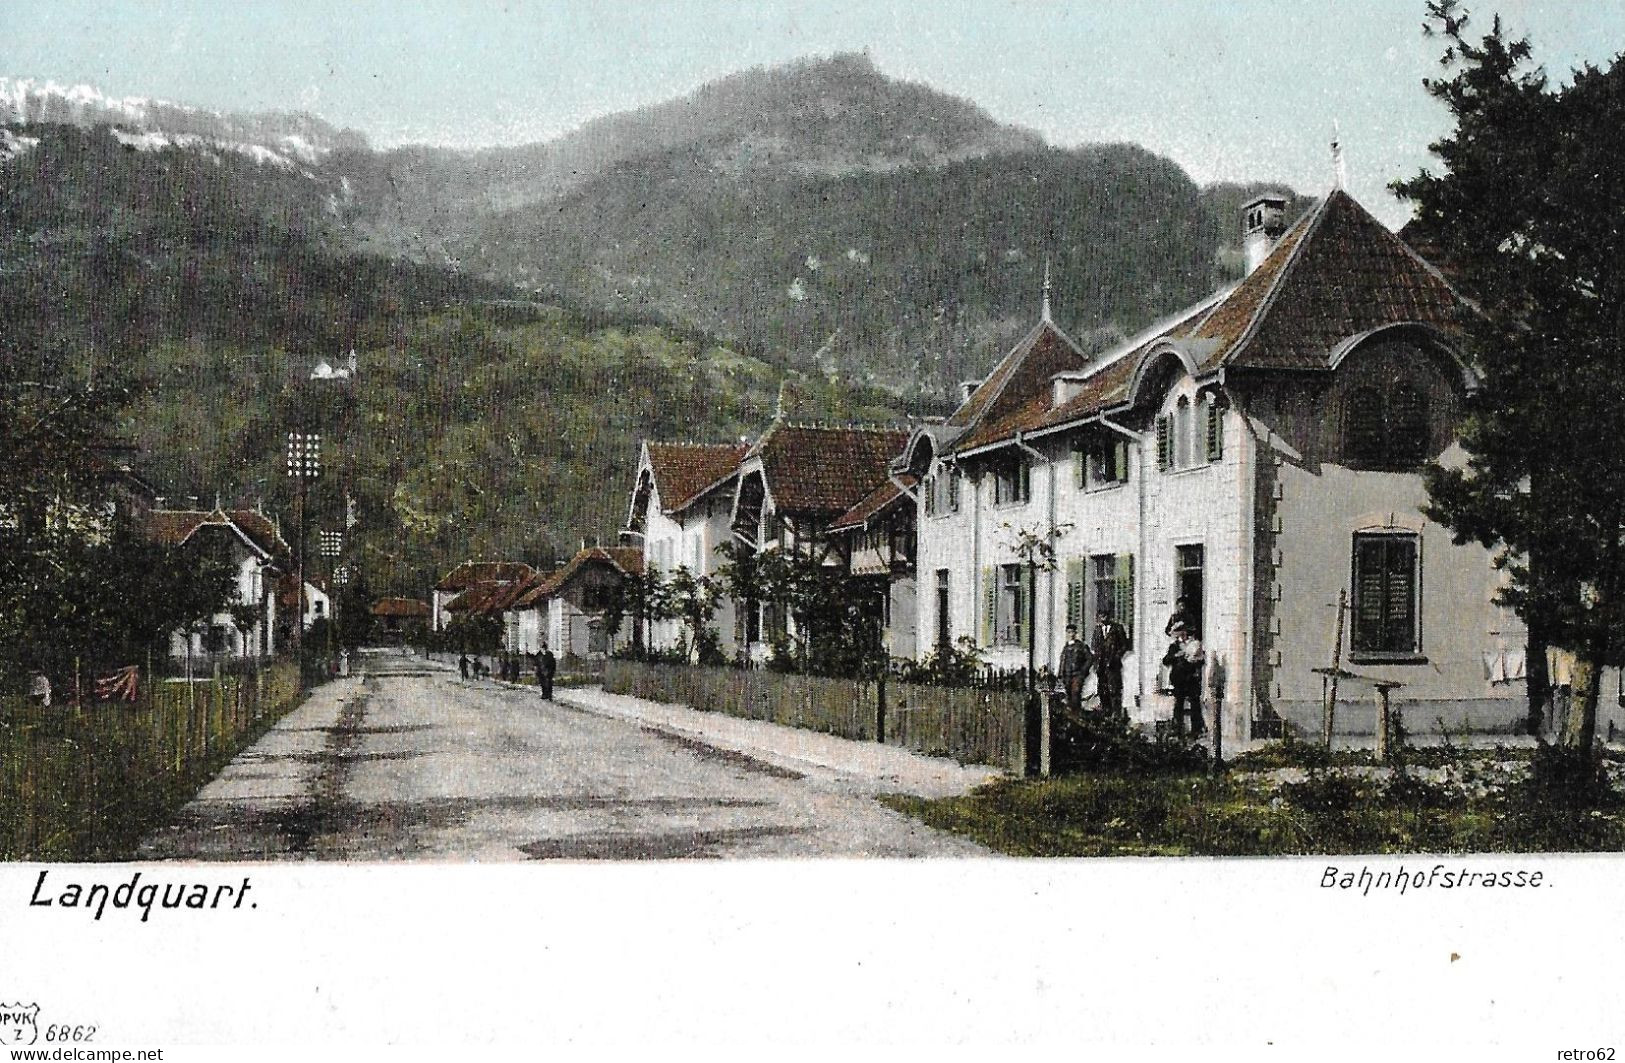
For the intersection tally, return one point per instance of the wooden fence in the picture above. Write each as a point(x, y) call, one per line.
point(87, 783)
point(971, 725)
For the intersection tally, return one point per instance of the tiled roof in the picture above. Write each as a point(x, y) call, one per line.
point(480, 597)
point(685, 471)
point(816, 470)
point(627, 560)
point(172, 527)
point(1346, 276)
point(875, 503)
point(262, 530)
point(1020, 374)
point(1335, 274)
point(402, 608)
point(471, 572)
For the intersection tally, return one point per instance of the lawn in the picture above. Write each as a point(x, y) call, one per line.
point(1266, 805)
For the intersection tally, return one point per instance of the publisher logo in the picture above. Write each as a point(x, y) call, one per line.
point(19, 1024)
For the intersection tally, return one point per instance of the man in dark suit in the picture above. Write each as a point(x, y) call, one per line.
point(1076, 660)
point(546, 666)
point(1109, 643)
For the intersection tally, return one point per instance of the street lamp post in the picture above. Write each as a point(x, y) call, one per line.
point(304, 465)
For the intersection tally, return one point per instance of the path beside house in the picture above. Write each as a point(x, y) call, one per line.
point(410, 762)
point(857, 767)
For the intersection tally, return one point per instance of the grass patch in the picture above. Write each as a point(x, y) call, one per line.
point(1333, 809)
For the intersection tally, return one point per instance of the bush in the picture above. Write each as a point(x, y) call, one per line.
point(1098, 743)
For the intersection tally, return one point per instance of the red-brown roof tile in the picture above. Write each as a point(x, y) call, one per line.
point(685, 471)
point(1335, 274)
point(627, 560)
point(1020, 374)
point(816, 470)
point(876, 503)
point(401, 609)
point(469, 573)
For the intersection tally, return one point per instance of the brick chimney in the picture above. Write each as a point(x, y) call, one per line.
point(1263, 220)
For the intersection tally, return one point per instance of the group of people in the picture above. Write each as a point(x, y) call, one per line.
point(1103, 654)
point(510, 666)
point(1185, 661)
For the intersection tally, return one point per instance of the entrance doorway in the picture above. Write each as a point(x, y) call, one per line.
point(1188, 565)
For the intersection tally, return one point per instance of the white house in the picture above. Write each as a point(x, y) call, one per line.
point(1258, 454)
point(259, 557)
point(465, 576)
point(681, 510)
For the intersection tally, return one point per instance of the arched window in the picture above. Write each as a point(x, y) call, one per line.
point(1182, 433)
point(1386, 430)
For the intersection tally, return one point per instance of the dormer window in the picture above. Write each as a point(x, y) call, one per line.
point(1192, 435)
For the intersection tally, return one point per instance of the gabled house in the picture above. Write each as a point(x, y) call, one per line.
point(467, 575)
point(570, 607)
point(398, 618)
point(260, 557)
point(681, 510)
point(1257, 455)
point(794, 485)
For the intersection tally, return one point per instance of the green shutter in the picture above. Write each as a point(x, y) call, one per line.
point(1074, 592)
point(1124, 589)
point(1078, 465)
point(990, 601)
point(1120, 461)
point(1215, 431)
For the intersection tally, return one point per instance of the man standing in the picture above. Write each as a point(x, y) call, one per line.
point(546, 665)
point(1109, 644)
point(462, 665)
point(1075, 664)
point(1186, 660)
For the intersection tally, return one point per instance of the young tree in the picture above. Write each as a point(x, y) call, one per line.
point(1526, 214)
point(693, 599)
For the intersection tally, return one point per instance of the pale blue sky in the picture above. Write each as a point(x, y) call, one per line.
point(1242, 90)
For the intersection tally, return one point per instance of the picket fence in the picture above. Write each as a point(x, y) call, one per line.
point(974, 725)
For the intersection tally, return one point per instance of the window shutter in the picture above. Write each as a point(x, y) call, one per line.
point(990, 602)
point(953, 491)
point(1028, 607)
point(1079, 465)
point(1074, 592)
point(1124, 605)
point(1400, 606)
point(1120, 461)
point(1215, 431)
point(1164, 441)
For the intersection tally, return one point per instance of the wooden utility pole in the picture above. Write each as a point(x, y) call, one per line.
point(1330, 714)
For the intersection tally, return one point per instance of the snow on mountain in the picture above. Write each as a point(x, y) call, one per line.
point(288, 140)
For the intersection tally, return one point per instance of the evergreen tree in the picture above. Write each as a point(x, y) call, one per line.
point(1527, 216)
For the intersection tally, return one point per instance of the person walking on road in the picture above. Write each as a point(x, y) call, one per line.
point(1076, 660)
point(546, 666)
point(462, 665)
point(1109, 645)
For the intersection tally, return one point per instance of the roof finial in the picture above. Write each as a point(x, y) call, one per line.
point(1340, 176)
point(1045, 316)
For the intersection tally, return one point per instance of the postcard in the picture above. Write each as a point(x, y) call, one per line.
point(770, 526)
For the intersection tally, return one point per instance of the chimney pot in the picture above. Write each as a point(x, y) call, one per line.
point(966, 387)
point(1263, 221)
